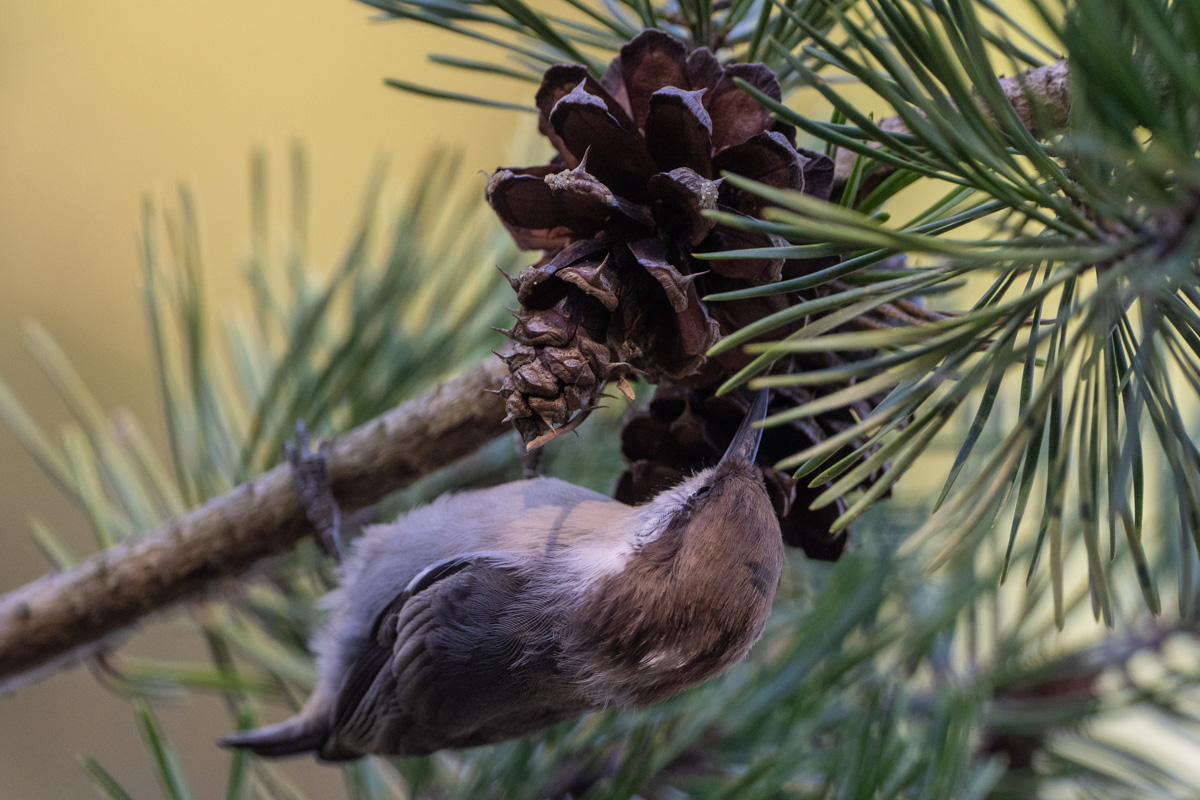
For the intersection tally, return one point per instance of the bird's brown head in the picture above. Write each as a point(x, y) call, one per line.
point(696, 592)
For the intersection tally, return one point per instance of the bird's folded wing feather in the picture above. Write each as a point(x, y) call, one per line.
point(441, 667)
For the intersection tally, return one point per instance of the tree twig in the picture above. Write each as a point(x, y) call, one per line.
point(61, 618)
point(1040, 96)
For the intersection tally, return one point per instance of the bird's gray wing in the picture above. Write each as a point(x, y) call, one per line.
point(453, 661)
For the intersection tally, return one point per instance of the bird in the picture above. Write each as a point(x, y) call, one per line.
point(492, 614)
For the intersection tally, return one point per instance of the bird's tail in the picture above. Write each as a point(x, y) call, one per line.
point(296, 736)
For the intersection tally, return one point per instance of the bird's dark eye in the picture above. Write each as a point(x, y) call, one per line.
point(702, 491)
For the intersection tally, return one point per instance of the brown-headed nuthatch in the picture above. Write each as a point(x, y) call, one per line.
point(491, 614)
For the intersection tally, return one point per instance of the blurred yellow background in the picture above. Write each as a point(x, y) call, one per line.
point(102, 104)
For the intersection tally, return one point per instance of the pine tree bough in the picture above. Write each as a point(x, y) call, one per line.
point(60, 618)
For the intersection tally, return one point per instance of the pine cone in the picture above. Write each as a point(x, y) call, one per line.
point(618, 214)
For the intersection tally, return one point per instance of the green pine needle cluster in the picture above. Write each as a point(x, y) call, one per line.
point(1080, 304)
point(590, 32)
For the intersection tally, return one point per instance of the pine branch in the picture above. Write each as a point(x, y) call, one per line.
point(61, 618)
point(1040, 97)
point(1084, 285)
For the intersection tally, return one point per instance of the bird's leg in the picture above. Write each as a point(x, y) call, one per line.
point(311, 475)
point(531, 460)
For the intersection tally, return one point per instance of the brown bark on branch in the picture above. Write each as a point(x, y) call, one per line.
point(60, 618)
point(1040, 96)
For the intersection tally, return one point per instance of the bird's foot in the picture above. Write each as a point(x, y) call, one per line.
point(311, 475)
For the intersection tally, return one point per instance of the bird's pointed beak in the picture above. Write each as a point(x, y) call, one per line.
point(745, 442)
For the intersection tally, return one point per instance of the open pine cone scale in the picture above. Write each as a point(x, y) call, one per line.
point(619, 213)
